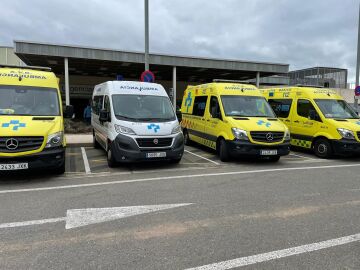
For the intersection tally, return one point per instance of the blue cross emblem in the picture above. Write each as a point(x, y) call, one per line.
point(153, 126)
point(15, 124)
point(188, 102)
point(261, 122)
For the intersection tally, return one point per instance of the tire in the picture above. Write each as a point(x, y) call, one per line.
point(322, 148)
point(274, 158)
point(187, 140)
point(95, 142)
point(223, 151)
point(110, 158)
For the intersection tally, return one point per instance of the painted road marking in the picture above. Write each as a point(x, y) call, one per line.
point(86, 161)
point(244, 261)
point(7, 191)
point(187, 151)
point(301, 156)
point(82, 217)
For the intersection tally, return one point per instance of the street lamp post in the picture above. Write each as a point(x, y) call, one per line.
point(357, 63)
point(146, 34)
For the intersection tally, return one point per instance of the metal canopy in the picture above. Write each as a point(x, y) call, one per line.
point(99, 62)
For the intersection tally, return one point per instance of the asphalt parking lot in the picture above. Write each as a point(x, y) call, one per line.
point(299, 213)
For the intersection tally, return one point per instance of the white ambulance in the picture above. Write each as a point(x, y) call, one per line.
point(135, 121)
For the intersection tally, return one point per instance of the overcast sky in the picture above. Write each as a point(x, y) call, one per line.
point(303, 33)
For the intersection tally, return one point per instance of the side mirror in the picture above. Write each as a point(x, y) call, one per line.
point(69, 111)
point(179, 115)
point(104, 116)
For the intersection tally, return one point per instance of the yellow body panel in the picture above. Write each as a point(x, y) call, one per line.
point(305, 131)
point(26, 126)
point(215, 128)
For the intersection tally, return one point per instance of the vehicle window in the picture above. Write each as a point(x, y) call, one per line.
point(97, 104)
point(332, 108)
point(214, 108)
point(143, 108)
point(26, 100)
point(199, 105)
point(281, 107)
point(246, 106)
point(107, 105)
point(305, 109)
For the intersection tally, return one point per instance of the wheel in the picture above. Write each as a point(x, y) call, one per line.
point(274, 158)
point(95, 142)
point(322, 148)
point(187, 140)
point(223, 151)
point(110, 157)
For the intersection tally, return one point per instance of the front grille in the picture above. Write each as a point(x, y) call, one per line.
point(24, 144)
point(262, 136)
point(151, 142)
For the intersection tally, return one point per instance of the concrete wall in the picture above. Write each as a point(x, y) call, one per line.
point(8, 57)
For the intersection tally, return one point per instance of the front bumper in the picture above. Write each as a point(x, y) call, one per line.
point(245, 148)
point(126, 150)
point(46, 159)
point(345, 147)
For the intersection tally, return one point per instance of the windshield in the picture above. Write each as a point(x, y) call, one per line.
point(332, 108)
point(25, 100)
point(247, 106)
point(143, 108)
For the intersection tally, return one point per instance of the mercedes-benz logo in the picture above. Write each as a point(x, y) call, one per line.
point(269, 136)
point(156, 141)
point(12, 144)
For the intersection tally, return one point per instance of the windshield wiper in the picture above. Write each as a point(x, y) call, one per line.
point(125, 117)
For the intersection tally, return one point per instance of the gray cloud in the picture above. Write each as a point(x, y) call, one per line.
point(301, 33)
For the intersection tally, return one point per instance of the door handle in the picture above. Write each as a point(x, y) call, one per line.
point(208, 120)
point(203, 119)
point(287, 120)
point(296, 121)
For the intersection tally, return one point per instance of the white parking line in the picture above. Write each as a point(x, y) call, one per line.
point(187, 151)
point(86, 161)
point(244, 261)
point(300, 156)
point(206, 175)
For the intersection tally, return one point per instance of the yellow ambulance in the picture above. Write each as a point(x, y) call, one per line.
point(234, 119)
point(31, 120)
point(318, 119)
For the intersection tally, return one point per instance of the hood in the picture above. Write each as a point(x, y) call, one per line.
point(351, 124)
point(29, 125)
point(152, 128)
point(257, 123)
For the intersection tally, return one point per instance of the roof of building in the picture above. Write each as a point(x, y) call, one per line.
point(108, 62)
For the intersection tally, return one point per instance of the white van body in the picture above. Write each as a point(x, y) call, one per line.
point(135, 121)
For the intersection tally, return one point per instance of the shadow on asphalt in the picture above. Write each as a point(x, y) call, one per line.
point(7, 178)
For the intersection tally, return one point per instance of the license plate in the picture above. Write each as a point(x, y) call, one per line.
point(13, 167)
point(268, 152)
point(156, 155)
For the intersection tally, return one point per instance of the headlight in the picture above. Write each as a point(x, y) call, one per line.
point(287, 135)
point(240, 134)
point(176, 130)
point(346, 134)
point(55, 140)
point(124, 130)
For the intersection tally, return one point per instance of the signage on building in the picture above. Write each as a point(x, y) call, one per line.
point(78, 91)
point(357, 92)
